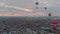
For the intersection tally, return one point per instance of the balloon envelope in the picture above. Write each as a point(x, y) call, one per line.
point(36, 3)
point(45, 7)
point(54, 23)
point(49, 14)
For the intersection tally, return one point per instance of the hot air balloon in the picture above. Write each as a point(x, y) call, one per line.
point(45, 7)
point(36, 7)
point(37, 3)
point(49, 14)
point(54, 24)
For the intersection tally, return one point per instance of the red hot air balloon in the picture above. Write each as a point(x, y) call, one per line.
point(54, 24)
point(49, 14)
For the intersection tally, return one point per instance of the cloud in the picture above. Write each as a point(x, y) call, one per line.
point(15, 7)
point(45, 2)
point(40, 14)
point(6, 14)
point(19, 8)
point(24, 9)
point(35, 14)
point(2, 4)
point(49, 5)
point(18, 14)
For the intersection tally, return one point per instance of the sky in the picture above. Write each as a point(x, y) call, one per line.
point(27, 7)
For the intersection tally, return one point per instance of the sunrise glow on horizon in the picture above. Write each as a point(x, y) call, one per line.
point(27, 7)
